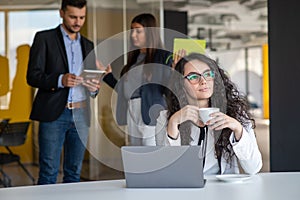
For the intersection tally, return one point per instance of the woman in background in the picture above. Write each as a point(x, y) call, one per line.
point(198, 82)
point(140, 88)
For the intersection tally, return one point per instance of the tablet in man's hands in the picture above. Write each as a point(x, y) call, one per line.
point(89, 74)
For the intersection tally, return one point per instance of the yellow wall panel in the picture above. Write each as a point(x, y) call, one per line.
point(20, 102)
point(266, 106)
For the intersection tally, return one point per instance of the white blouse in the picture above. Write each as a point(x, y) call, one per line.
point(246, 150)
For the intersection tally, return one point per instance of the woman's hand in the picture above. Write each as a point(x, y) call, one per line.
point(108, 69)
point(221, 121)
point(101, 67)
point(177, 56)
point(188, 112)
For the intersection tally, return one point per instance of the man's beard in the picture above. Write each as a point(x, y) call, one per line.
point(71, 30)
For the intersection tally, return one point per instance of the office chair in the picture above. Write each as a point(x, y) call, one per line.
point(12, 134)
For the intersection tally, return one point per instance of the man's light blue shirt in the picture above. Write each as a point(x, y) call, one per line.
point(75, 64)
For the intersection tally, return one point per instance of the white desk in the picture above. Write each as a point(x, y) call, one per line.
point(265, 186)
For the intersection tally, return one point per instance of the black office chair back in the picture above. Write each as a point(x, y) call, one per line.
point(14, 134)
point(3, 124)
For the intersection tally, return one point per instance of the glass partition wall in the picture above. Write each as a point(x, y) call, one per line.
point(236, 47)
point(109, 23)
point(18, 27)
point(105, 18)
point(234, 32)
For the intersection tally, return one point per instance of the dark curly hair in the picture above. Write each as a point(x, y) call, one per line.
point(225, 96)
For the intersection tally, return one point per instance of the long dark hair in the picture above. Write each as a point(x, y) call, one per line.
point(153, 41)
point(225, 96)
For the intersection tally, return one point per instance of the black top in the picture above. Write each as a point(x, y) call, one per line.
point(151, 92)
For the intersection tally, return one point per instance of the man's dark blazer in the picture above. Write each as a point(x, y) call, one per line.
point(48, 60)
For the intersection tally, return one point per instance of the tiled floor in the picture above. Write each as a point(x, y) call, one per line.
point(19, 178)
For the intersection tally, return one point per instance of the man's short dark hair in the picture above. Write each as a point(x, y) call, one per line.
point(74, 3)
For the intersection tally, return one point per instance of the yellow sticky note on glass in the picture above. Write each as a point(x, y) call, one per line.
point(189, 45)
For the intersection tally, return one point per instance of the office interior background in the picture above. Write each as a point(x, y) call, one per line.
point(236, 33)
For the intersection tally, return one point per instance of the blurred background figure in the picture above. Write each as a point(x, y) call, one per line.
point(140, 90)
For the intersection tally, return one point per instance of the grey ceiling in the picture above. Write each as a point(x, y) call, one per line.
point(237, 21)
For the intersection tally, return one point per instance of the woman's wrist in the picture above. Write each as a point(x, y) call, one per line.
point(172, 138)
point(172, 129)
point(238, 132)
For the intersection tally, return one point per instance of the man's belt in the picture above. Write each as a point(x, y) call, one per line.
point(73, 105)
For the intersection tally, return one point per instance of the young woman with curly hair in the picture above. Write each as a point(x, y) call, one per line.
point(198, 82)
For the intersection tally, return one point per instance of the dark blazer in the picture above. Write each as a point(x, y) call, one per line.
point(152, 94)
point(47, 60)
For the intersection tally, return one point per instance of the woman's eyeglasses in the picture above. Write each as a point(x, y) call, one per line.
point(195, 78)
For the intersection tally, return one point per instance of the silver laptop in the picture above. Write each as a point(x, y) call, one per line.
point(163, 166)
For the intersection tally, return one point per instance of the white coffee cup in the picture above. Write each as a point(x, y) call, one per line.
point(205, 112)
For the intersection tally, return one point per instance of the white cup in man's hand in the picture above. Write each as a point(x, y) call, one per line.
point(205, 112)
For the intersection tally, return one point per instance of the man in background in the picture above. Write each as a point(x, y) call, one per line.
point(55, 64)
